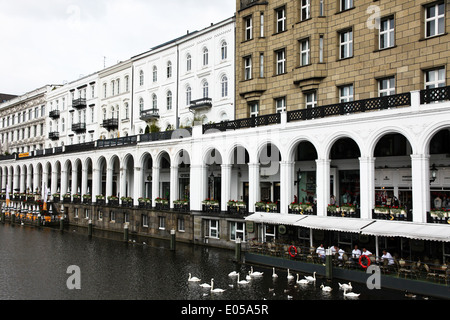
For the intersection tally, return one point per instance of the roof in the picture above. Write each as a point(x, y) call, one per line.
point(5, 97)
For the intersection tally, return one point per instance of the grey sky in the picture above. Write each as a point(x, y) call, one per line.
point(51, 41)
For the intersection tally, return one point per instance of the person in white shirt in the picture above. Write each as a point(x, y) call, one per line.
point(356, 253)
point(366, 252)
point(388, 256)
point(321, 251)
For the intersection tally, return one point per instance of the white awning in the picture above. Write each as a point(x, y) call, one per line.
point(275, 218)
point(420, 231)
point(334, 224)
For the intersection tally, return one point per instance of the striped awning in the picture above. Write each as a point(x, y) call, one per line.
point(334, 224)
point(275, 218)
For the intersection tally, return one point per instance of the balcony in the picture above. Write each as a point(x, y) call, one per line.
point(53, 136)
point(151, 114)
point(201, 104)
point(55, 114)
point(111, 124)
point(79, 128)
point(79, 103)
point(249, 3)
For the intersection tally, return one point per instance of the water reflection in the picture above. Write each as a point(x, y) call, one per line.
point(34, 262)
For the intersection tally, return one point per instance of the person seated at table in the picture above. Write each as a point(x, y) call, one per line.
point(366, 252)
point(356, 253)
point(321, 252)
point(386, 255)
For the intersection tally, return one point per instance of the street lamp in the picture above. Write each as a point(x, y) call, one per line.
point(434, 171)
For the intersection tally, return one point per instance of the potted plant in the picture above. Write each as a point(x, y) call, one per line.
point(56, 197)
point(67, 198)
point(113, 200)
point(100, 199)
point(144, 202)
point(127, 201)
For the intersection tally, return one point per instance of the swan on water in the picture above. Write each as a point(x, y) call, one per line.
point(248, 277)
point(301, 281)
point(241, 281)
point(205, 285)
point(290, 276)
point(193, 279)
point(274, 275)
point(256, 273)
point(313, 278)
point(351, 294)
point(326, 288)
point(233, 274)
point(346, 286)
point(215, 290)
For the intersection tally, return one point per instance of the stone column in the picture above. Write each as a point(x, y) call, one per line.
point(323, 186)
point(109, 182)
point(84, 182)
point(420, 168)
point(225, 185)
point(286, 185)
point(74, 187)
point(367, 186)
point(138, 183)
point(155, 184)
point(254, 185)
point(174, 185)
point(96, 183)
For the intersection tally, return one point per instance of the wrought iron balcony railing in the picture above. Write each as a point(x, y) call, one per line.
point(53, 136)
point(204, 103)
point(151, 114)
point(79, 127)
point(79, 103)
point(55, 114)
point(111, 124)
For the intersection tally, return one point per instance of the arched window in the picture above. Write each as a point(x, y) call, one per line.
point(224, 50)
point(104, 114)
point(141, 104)
point(205, 56)
point(141, 78)
point(188, 95)
point(169, 100)
point(224, 83)
point(205, 89)
point(63, 123)
point(154, 102)
point(169, 69)
point(127, 110)
point(188, 62)
point(155, 74)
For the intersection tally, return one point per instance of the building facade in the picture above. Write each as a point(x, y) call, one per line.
point(302, 54)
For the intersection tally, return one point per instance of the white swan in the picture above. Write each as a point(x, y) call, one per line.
point(326, 288)
point(233, 274)
point(248, 277)
point(241, 281)
point(255, 273)
point(351, 294)
point(312, 279)
point(274, 275)
point(193, 279)
point(301, 281)
point(346, 286)
point(205, 285)
point(290, 276)
point(215, 290)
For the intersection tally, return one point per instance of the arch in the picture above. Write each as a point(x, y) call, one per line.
point(425, 141)
point(182, 156)
point(379, 134)
point(295, 143)
point(211, 155)
point(236, 154)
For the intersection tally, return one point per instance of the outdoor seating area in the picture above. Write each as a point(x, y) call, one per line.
point(427, 270)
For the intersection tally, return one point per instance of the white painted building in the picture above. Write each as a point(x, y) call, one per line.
point(189, 76)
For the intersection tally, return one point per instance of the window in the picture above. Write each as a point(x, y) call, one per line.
point(261, 65)
point(305, 10)
point(321, 48)
point(144, 219)
point(213, 229)
point(281, 19)
point(141, 78)
point(162, 223)
point(188, 62)
point(127, 111)
point(346, 93)
point(169, 69)
point(386, 87)
point(248, 21)
point(248, 68)
point(127, 84)
point(321, 8)
point(346, 4)
point(261, 32)
point(304, 52)
point(104, 91)
point(155, 74)
point(254, 109)
point(181, 225)
point(169, 100)
point(311, 100)
point(387, 36)
point(92, 91)
point(435, 19)
point(224, 50)
point(205, 56)
point(154, 102)
point(237, 231)
point(113, 87)
point(224, 83)
point(435, 78)
point(188, 95)
point(346, 44)
point(141, 104)
point(112, 216)
point(280, 104)
point(205, 89)
point(281, 61)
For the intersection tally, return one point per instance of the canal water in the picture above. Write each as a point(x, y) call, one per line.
point(34, 266)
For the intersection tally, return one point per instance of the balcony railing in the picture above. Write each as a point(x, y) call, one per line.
point(79, 127)
point(124, 141)
point(204, 103)
point(166, 135)
point(244, 123)
point(79, 103)
point(248, 3)
point(351, 107)
point(151, 114)
point(53, 136)
point(428, 96)
point(55, 114)
point(111, 124)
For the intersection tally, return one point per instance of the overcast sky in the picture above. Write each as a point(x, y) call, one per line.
point(51, 41)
